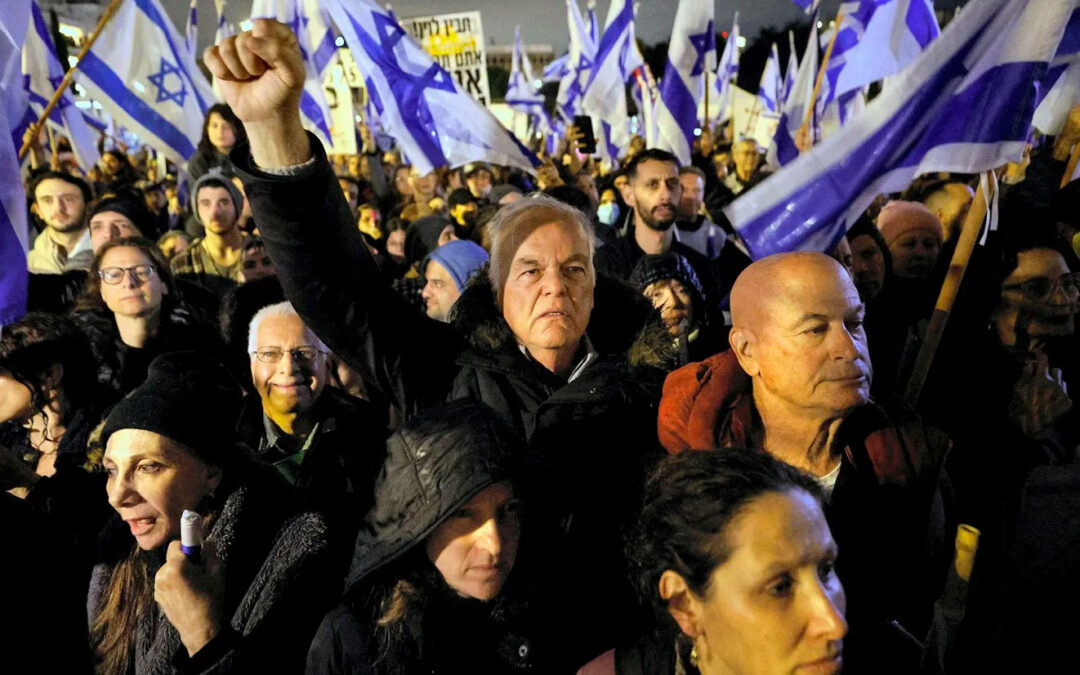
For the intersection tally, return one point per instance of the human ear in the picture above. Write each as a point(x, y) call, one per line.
point(744, 345)
point(683, 605)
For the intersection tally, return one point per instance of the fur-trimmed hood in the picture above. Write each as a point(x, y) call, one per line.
point(623, 323)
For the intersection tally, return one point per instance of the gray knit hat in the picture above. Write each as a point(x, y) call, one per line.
point(215, 178)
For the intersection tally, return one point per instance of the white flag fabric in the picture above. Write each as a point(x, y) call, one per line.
point(792, 69)
point(691, 52)
point(191, 31)
point(14, 228)
point(783, 149)
point(140, 71)
point(419, 103)
point(42, 73)
point(726, 72)
point(964, 105)
point(605, 93)
point(771, 89)
point(521, 92)
point(579, 65)
point(1060, 89)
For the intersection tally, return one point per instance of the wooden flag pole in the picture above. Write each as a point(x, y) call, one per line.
point(821, 73)
point(969, 235)
point(705, 119)
point(1070, 167)
point(64, 83)
point(54, 161)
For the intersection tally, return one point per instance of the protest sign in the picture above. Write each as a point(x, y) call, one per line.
point(456, 42)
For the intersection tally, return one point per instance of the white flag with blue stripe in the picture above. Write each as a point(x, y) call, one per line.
point(308, 23)
point(605, 93)
point(792, 69)
point(579, 65)
point(877, 38)
point(419, 103)
point(771, 88)
point(521, 92)
point(141, 72)
point(224, 28)
point(14, 226)
point(691, 52)
point(191, 30)
point(727, 71)
point(964, 105)
point(42, 72)
point(807, 6)
point(783, 149)
point(1060, 88)
point(594, 24)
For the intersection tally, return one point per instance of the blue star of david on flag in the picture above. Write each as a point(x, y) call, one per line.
point(703, 43)
point(158, 79)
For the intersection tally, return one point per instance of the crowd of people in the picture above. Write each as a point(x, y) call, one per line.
point(480, 420)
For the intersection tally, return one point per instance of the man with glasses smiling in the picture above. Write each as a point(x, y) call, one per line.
point(325, 443)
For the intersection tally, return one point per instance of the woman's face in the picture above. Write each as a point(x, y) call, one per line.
point(151, 481)
point(131, 297)
point(221, 134)
point(867, 267)
point(775, 605)
point(1039, 299)
point(15, 398)
point(395, 245)
point(475, 548)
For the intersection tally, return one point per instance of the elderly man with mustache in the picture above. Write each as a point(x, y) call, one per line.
point(796, 383)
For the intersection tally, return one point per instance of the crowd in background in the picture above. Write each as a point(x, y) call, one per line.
point(453, 422)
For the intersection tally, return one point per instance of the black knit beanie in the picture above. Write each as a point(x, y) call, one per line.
point(191, 400)
point(133, 210)
point(668, 265)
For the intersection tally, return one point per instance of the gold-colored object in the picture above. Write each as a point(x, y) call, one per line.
point(967, 543)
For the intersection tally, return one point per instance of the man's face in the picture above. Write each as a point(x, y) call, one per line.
point(721, 162)
point(867, 267)
point(108, 225)
point(479, 183)
point(654, 193)
point(293, 384)
point(548, 294)
point(440, 292)
point(461, 213)
point(60, 204)
point(621, 184)
point(110, 164)
point(351, 192)
point(809, 347)
point(915, 253)
point(216, 209)
point(746, 157)
point(693, 193)
point(675, 302)
point(423, 186)
point(257, 264)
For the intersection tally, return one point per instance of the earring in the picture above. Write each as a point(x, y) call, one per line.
point(694, 657)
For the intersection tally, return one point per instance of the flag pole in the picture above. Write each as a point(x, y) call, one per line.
point(1070, 167)
point(821, 72)
point(54, 161)
point(64, 83)
point(705, 119)
point(969, 235)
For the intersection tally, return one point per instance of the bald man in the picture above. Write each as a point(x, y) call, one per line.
point(796, 384)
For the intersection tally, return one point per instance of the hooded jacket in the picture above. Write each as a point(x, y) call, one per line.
point(588, 439)
point(437, 463)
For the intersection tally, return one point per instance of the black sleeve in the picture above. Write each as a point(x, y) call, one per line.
point(334, 283)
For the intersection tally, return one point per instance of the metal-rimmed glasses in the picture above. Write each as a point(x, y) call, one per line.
point(300, 354)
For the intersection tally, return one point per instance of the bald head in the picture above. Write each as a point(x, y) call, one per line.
point(797, 331)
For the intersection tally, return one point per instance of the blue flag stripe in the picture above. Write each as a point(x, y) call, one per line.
point(114, 88)
point(679, 101)
point(151, 12)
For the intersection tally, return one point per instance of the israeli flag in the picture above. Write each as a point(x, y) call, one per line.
point(419, 103)
point(191, 31)
point(727, 71)
point(771, 88)
point(877, 38)
point(14, 228)
point(557, 69)
point(1060, 88)
point(691, 52)
point(579, 65)
point(224, 28)
point(783, 150)
point(521, 92)
point(308, 23)
point(605, 93)
point(141, 72)
point(42, 72)
point(792, 69)
point(594, 25)
point(807, 6)
point(964, 105)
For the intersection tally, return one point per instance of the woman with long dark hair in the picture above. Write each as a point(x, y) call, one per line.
point(131, 313)
point(221, 132)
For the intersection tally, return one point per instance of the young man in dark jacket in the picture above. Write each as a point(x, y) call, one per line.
point(564, 359)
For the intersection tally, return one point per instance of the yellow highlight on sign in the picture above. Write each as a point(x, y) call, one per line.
point(451, 43)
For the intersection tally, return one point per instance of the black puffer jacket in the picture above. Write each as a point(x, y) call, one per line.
point(587, 439)
point(439, 461)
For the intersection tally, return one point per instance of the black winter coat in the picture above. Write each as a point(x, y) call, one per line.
point(588, 439)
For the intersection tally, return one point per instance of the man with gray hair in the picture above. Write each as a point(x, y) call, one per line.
point(560, 355)
point(325, 443)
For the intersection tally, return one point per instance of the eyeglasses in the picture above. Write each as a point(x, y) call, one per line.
point(115, 275)
point(1042, 287)
point(300, 354)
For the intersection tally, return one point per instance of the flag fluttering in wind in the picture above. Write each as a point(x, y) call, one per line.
point(141, 72)
point(605, 92)
point(1060, 89)
point(191, 31)
point(792, 69)
point(14, 228)
point(578, 66)
point(964, 105)
point(521, 92)
point(726, 71)
point(691, 52)
point(877, 38)
point(783, 149)
point(42, 73)
point(771, 89)
point(419, 103)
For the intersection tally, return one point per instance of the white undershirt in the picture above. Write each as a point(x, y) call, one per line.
point(828, 481)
